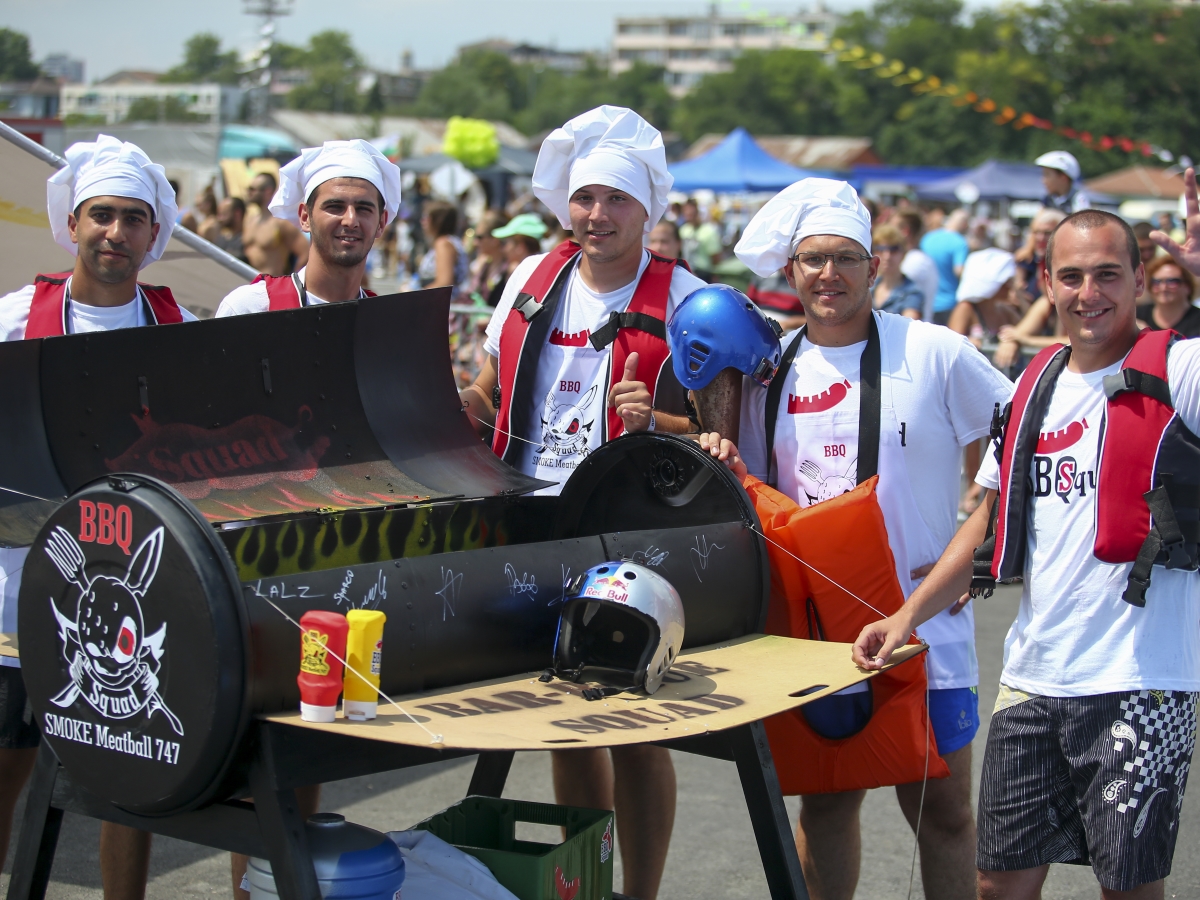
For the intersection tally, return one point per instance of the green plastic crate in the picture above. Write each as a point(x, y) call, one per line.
point(580, 868)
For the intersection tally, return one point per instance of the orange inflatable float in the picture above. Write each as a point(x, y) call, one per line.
point(882, 735)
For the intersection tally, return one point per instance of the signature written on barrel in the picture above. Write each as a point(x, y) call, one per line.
point(653, 712)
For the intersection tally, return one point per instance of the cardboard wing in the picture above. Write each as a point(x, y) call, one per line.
point(708, 689)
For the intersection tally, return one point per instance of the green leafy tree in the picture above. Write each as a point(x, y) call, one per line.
point(482, 84)
point(166, 109)
point(16, 61)
point(485, 84)
point(334, 67)
point(204, 62)
point(773, 92)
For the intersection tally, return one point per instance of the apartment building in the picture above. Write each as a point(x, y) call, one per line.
point(692, 47)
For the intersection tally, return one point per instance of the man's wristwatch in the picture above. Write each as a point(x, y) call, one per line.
point(650, 427)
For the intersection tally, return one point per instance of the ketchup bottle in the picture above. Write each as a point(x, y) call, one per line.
point(320, 677)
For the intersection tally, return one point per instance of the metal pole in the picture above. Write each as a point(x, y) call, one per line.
point(189, 238)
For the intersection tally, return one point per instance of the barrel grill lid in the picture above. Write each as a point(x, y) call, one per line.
point(133, 645)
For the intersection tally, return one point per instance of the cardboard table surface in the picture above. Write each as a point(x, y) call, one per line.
point(708, 689)
point(8, 645)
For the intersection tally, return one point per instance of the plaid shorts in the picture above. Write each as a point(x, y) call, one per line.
point(1087, 780)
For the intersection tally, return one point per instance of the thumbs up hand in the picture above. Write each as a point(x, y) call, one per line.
point(632, 400)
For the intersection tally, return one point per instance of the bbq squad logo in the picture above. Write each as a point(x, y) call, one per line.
point(566, 426)
point(1056, 472)
point(112, 661)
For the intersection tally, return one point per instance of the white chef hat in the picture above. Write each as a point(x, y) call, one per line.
point(1060, 160)
point(810, 206)
point(608, 145)
point(108, 167)
point(335, 159)
point(984, 273)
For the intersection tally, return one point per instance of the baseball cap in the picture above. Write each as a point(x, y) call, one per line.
point(528, 224)
point(1061, 160)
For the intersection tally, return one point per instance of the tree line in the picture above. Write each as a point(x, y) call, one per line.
point(1129, 69)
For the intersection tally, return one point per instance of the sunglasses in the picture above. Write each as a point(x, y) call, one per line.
point(888, 248)
point(1167, 282)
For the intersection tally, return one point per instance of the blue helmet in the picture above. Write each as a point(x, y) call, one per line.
point(717, 327)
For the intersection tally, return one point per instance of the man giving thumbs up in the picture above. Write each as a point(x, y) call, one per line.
point(577, 355)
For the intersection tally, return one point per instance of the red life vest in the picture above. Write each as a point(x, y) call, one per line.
point(641, 328)
point(282, 292)
point(1148, 481)
point(48, 314)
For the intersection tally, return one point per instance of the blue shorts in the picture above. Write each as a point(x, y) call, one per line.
point(954, 713)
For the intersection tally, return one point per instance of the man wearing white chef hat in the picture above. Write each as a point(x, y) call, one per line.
point(577, 355)
point(984, 292)
point(113, 210)
point(922, 393)
point(343, 194)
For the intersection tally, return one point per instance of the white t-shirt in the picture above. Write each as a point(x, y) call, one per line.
point(922, 271)
point(14, 315)
point(569, 397)
point(1074, 635)
point(937, 395)
point(252, 298)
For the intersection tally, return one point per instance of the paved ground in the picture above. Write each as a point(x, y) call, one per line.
point(713, 853)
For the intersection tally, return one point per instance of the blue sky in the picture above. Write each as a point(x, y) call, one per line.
point(149, 34)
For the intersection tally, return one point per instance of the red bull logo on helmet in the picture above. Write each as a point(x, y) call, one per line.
point(608, 587)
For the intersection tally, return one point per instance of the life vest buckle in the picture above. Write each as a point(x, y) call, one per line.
point(1178, 556)
point(527, 305)
point(1135, 591)
point(998, 427)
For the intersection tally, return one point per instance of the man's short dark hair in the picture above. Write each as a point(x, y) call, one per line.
point(271, 178)
point(443, 219)
point(912, 221)
point(1142, 230)
point(1087, 219)
point(667, 223)
point(238, 204)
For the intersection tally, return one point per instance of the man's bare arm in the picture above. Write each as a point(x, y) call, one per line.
point(477, 398)
point(945, 586)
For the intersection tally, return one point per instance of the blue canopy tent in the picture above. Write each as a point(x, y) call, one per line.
point(736, 165)
point(995, 180)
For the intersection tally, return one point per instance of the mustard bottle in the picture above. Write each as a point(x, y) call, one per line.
point(364, 653)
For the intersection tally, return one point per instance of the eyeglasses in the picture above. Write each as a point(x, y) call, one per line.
point(815, 262)
point(1166, 282)
point(886, 248)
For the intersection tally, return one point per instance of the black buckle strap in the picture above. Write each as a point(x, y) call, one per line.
point(1139, 575)
point(998, 428)
point(1163, 510)
point(1164, 536)
point(527, 305)
point(1139, 382)
point(607, 333)
point(982, 582)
